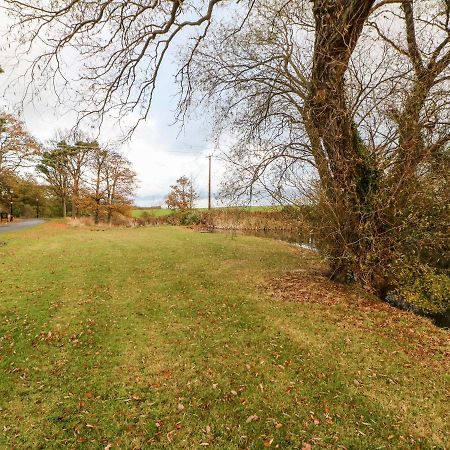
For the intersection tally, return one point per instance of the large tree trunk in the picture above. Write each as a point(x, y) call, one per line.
point(347, 170)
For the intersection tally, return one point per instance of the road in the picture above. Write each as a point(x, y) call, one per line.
point(14, 226)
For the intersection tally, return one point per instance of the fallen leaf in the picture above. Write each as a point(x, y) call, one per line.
point(169, 435)
point(252, 418)
point(180, 407)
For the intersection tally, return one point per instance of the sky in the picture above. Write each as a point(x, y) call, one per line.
point(160, 151)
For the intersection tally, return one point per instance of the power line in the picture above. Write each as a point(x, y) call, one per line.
point(185, 152)
point(209, 182)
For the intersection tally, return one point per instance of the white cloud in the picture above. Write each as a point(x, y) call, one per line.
point(158, 150)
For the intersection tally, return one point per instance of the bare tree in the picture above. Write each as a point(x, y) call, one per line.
point(312, 91)
point(122, 43)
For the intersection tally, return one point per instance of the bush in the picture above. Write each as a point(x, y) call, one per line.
point(190, 218)
point(424, 288)
point(27, 212)
point(81, 221)
point(119, 220)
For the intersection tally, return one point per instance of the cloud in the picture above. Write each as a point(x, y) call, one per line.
point(160, 153)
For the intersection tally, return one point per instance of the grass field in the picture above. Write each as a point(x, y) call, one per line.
point(151, 211)
point(165, 212)
point(166, 338)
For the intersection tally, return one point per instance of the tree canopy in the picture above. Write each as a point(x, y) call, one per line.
point(182, 195)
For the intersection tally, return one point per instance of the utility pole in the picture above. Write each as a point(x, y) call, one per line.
point(11, 203)
point(209, 183)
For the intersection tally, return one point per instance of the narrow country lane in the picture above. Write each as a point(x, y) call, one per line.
point(14, 226)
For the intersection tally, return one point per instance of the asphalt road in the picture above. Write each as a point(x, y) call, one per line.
point(19, 225)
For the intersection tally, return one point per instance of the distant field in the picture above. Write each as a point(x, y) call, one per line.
point(165, 212)
point(152, 212)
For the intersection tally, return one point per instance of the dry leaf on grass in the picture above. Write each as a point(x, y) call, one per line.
point(252, 418)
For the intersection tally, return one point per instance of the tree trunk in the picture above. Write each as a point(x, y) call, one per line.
point(75, 200)
point(346, 168)
point(74, 210)
point(97, 212)
point(64, 207)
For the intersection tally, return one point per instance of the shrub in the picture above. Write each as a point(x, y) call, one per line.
point(120, 220)
point(81, 221)
point(424, 288)
point(190, 218)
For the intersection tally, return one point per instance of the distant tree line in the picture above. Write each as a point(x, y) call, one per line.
point(73, 173)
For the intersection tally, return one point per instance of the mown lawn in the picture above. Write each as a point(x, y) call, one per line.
point(167, 338)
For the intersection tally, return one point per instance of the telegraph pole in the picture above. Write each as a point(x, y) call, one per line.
point(209, 183)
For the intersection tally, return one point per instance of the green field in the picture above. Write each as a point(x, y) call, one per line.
point(151, 211)
point(165, 212)
point(166, 338)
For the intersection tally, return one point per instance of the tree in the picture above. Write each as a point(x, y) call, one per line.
point(28, 195)
point(53, 167)
point(93, 177)
point(78, 158)
point(346, 115)
point(120, 181)
point(98, 181)
point(182, 195)
point(78, 148)
point(18, 149)
point(125, 43)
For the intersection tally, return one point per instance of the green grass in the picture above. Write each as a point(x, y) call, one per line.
point(152, 212)
point(165, 212)
point(166, 338)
